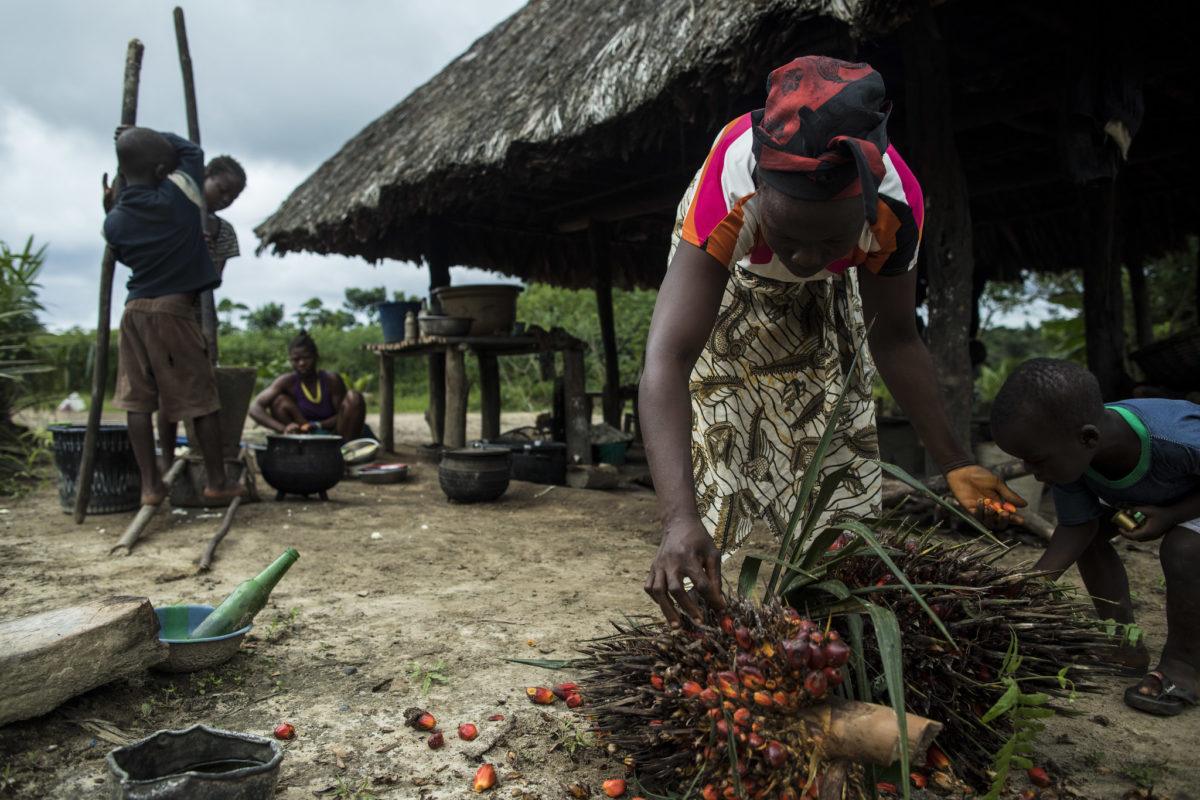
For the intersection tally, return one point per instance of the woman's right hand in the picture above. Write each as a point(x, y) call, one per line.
point(686, 551)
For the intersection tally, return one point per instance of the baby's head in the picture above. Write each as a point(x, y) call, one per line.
point(224, 180)
point(1048, 414)
point(144, 156)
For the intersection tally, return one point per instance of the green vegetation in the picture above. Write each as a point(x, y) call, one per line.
point(427, 675)
point(20, 448)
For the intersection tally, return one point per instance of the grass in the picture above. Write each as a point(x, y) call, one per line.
point(427, 675)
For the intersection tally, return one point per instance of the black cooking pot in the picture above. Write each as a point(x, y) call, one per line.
point(301, 464)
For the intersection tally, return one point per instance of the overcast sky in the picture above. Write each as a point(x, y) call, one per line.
point(280, 86)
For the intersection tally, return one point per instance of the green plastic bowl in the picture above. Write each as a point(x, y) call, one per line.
point(189, 655)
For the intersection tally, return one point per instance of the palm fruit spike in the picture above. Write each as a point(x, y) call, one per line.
point(956, 682)
point(635, 683)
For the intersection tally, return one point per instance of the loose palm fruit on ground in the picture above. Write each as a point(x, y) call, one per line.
point(495, 717)
point(574, 700)
point(485, 778)
point(564, 690)
point(419, 718)
point(614, 787)
point(1038, 777)
point(285, 731)
point(435, 740)
point(540, 695)
point(467, 731)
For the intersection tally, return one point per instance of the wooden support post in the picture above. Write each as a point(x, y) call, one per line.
point(489, 386)
point(387, 402)
point(579, 443)
point(439, 275)
point(947, 246)
point(1103, 298)
point(598, 234)
point(87, 459)
point(456, 398)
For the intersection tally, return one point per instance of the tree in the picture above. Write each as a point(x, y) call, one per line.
point(265, 318)
point(362, 301)
point(228, 308)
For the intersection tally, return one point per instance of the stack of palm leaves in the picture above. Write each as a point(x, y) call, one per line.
point(932, 628)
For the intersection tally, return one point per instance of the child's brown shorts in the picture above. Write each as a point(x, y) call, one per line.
point(164, 361)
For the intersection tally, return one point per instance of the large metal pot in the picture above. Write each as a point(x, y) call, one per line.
point(301, 464)
point(474, 474)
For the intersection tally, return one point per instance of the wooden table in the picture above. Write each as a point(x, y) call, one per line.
point(453, 395)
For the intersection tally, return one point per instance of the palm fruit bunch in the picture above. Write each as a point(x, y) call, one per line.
point(713, 704)
point(985, 607)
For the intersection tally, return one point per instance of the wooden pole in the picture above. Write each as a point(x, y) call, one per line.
point(387, 397)
point(455, 431)
point(226, 523)
point(489, 384)
point(208, 307)
point(127, 540)
point(87, 459)
point(598, 234)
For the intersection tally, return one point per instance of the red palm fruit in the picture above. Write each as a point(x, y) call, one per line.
point(815, 636)
point(771, 684)
point(495, 717)
point(1009, 507)
point(727, 625)
point(656, 723)
point(935, 758)
point(709, 792)
point(656, 681)
point(884, 786)
point(730, 793)
point(764, 699)
point(727, 684)
point(574, 700)
point(816, 658)
point(775, 753)
point(780, 697)
point(714, 713)
point(467, 731)
point(743, 637)
point(796, 652)
point(285, 730)
point(540, 695)
point(421, 720)
point(744, 659)
point(710, 698)
point(614, 787)
point(741, 717)
point(833, 677)
point(722, 728)
point(837, 652)
point(435, 740)
point(752, 677)
point(918, 780)
point(691, 689)
point(755, 741)
point(816, 684)
point(791, 614)
point(563, 689)
point(485, 778)
point(1038, 777)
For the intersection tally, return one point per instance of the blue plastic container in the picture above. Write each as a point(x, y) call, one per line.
point(392, 315)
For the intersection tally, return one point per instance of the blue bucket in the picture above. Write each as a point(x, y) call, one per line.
point(392, 315)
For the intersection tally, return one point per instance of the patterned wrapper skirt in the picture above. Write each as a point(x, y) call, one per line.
point(763, 392)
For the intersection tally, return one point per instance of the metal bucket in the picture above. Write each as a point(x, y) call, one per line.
point(199, 763)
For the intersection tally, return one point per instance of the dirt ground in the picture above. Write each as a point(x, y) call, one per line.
point(402, 599)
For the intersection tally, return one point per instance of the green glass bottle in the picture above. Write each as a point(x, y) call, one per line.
point(236, 610)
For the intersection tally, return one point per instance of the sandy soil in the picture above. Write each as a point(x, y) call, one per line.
point(426, 614)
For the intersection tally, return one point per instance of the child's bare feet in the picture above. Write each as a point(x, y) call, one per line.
point(155, 496)
point(226, 491)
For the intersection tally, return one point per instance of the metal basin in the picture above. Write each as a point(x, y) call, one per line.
point(199, 763)
point(301, 464)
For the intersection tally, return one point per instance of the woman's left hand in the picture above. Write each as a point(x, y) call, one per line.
point(981, 493)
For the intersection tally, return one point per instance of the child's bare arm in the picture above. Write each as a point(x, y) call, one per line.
point(191, 157)
point(1066, 546)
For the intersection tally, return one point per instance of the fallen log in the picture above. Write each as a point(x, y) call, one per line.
point(48, 658)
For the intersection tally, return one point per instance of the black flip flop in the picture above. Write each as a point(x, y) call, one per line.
point(1169, 701)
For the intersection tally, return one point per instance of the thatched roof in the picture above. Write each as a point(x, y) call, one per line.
point(577, 110)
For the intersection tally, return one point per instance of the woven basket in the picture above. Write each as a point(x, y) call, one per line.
point(1173, 362)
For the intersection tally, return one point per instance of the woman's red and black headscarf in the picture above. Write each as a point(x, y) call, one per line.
point(823, 132)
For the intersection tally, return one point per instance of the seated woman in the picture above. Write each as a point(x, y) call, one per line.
point(309, 399)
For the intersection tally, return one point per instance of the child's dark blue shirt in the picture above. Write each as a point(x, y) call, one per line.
point(158, 232)
point(1168, 469)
